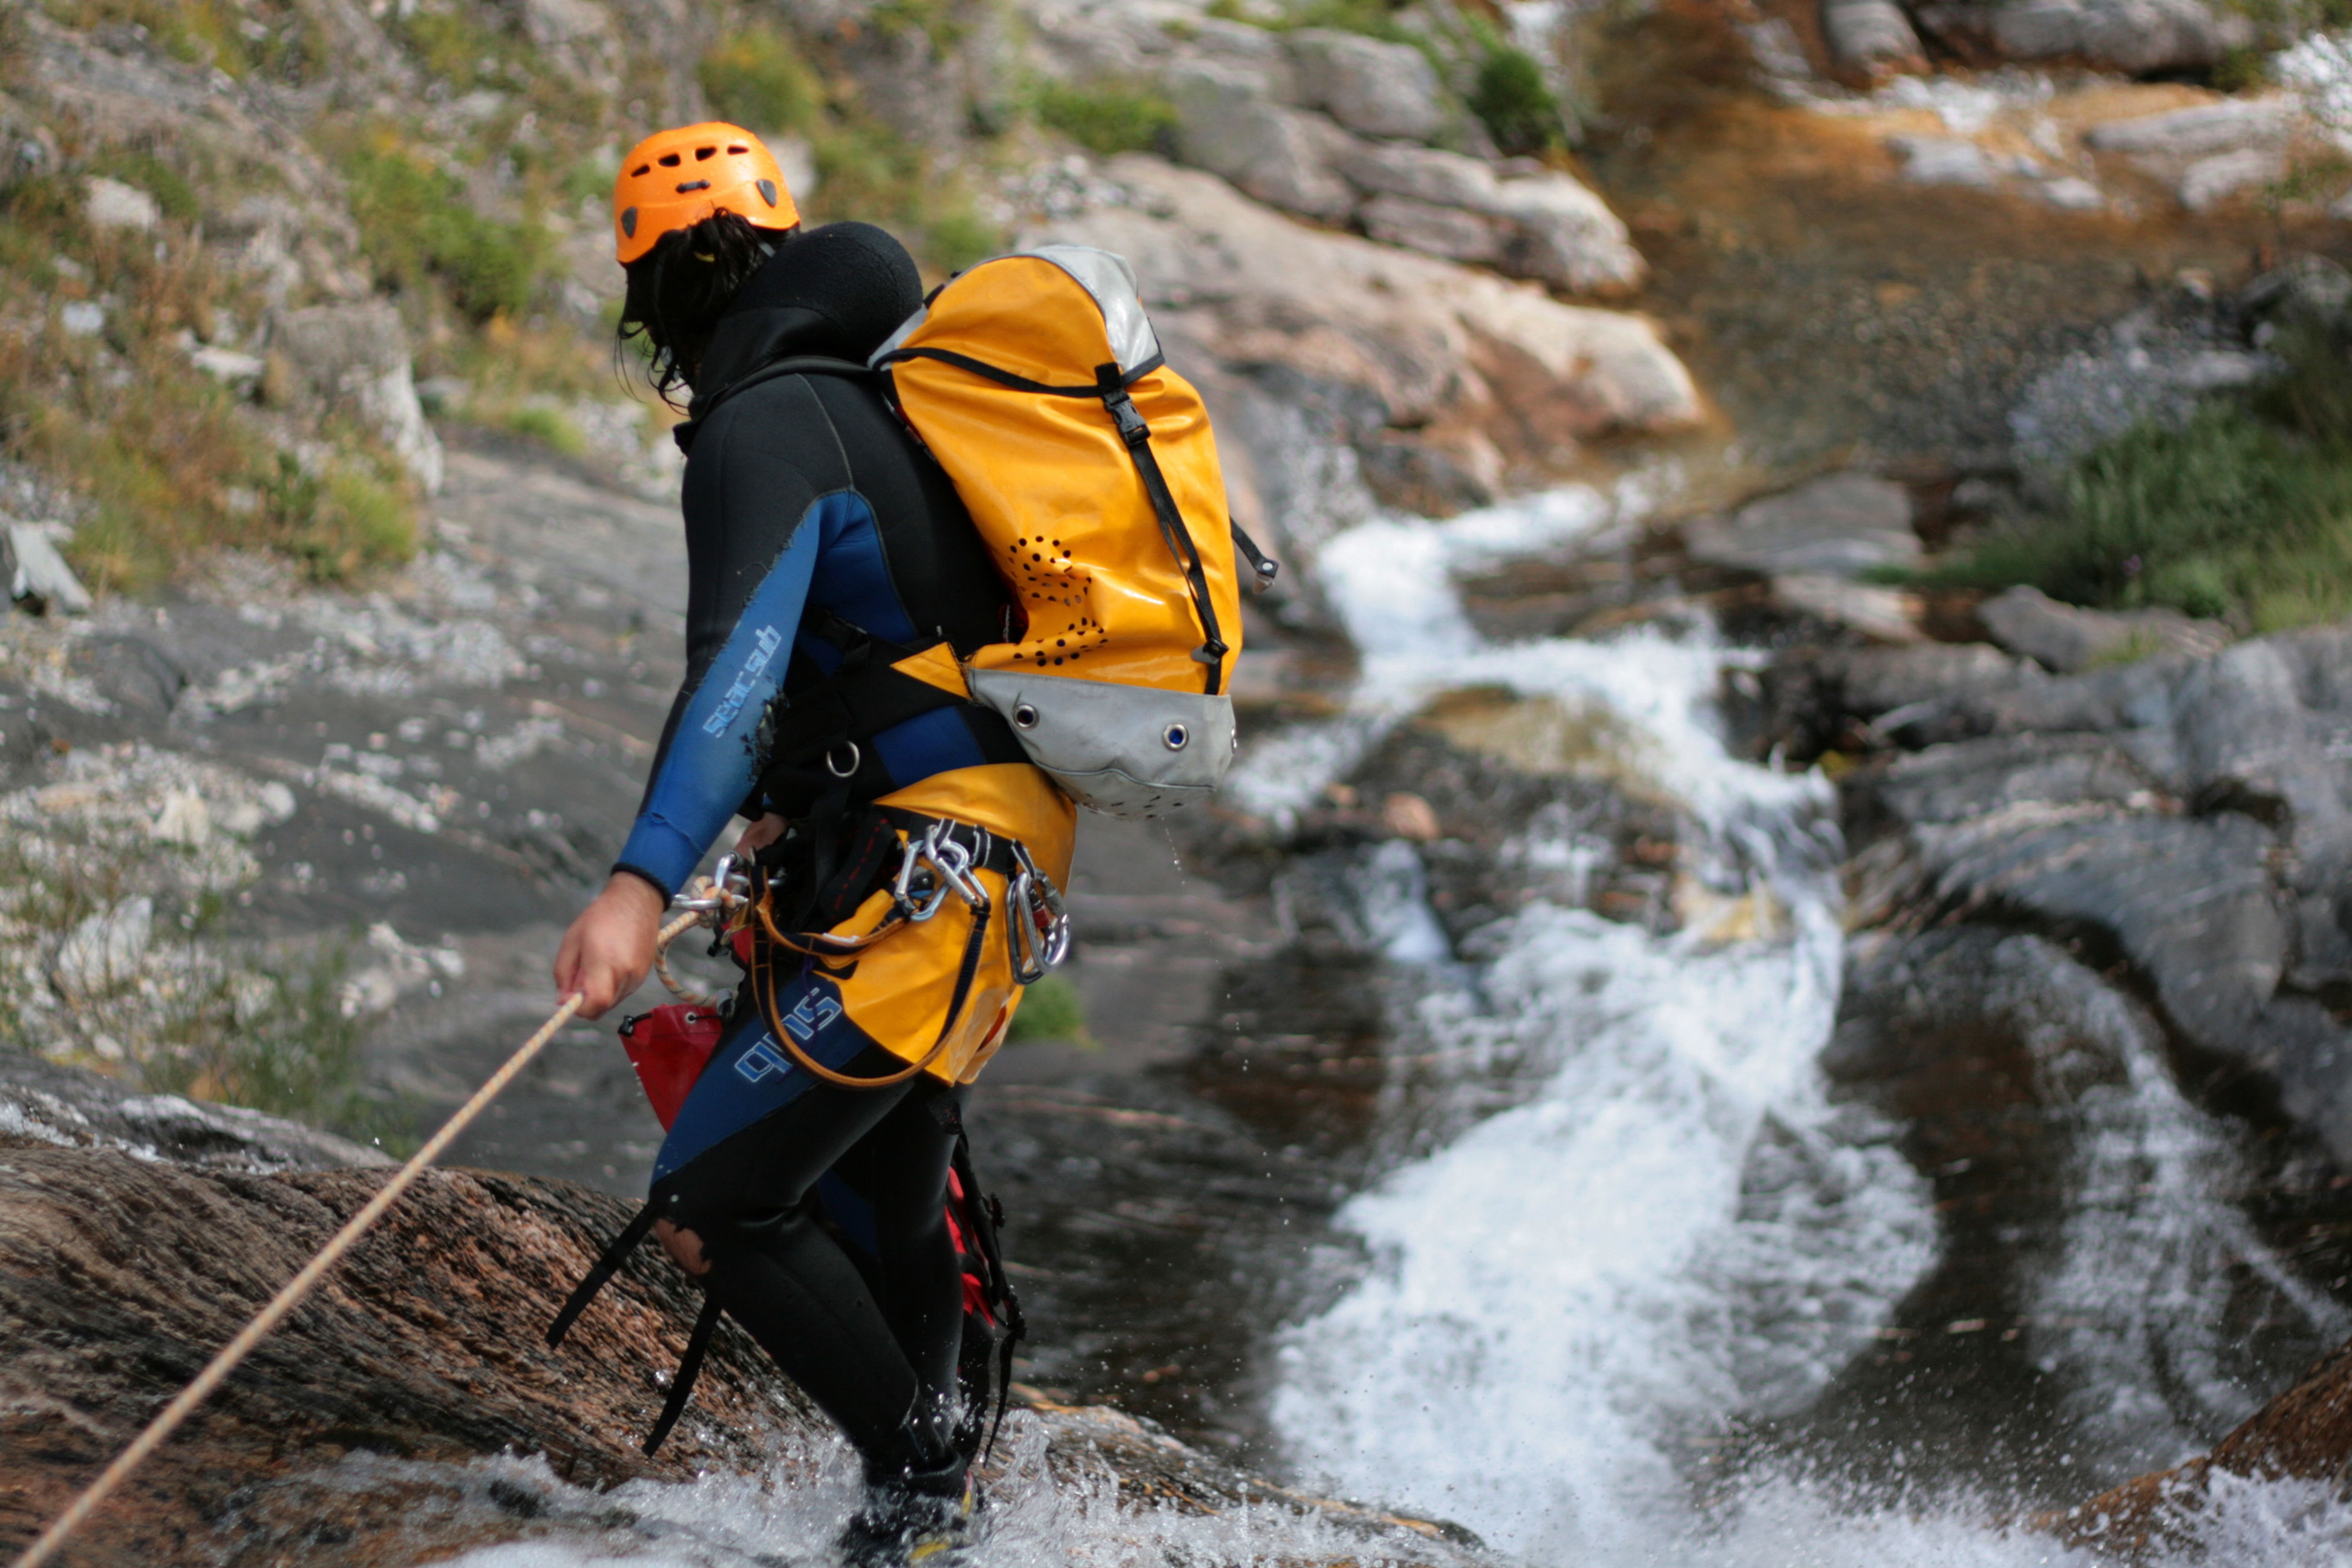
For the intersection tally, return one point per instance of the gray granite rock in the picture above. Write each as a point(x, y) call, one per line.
point(1531, 222)
point(1875, 681)
point(1871, 38)
point(2135, 37)
point(1227, 124)
point(1840, 524)
point(1367, 85)
point(353, 360)
point(2067, 638)
point(69, 1107)
point(2197, 811)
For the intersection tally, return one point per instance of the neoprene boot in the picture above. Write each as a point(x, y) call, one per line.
point(910, 1519)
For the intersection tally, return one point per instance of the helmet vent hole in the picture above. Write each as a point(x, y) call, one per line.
point(702, 152)
point(737, 152)
point(641, 169)
point(669, 160)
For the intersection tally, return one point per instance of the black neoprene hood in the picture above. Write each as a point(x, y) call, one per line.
point(836, 292)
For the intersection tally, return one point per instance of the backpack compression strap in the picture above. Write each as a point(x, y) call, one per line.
point(984, 1217)
point(689, 1367)
point(1110, 384)
point(635, 1232)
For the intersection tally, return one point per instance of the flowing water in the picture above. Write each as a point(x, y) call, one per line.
point(1615, 1222)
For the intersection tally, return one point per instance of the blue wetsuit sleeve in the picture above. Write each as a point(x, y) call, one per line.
point(707, 762)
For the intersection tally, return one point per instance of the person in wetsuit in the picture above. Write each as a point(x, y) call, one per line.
point(812, 515)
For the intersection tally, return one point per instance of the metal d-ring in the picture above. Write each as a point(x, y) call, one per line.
point(856, 757)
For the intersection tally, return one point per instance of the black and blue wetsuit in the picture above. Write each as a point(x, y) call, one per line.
point(805, 499)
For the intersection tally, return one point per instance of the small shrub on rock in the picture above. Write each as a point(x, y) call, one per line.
point(420, 225)
point(1107, 120)
point(1511, 98)
point(760, 78)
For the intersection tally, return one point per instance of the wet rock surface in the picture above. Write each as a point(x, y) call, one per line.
point(2185, 810)
point(363, 1431)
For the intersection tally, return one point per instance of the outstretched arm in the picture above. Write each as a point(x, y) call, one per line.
point(741, 617)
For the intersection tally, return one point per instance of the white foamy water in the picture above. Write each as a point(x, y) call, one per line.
point(1581, 1282)
point(1677, 1229)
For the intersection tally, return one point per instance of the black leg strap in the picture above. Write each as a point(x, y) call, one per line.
point(601, 1274)
point(689, 1367)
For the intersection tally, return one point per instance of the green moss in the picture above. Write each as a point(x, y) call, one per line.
point(1511, 98)
point(935, 19)
point(1050, 1010)
point(1107, 119)
point(419, 226)
point(761, 79)
point(1373, 18)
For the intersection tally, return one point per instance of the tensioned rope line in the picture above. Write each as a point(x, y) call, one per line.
point(168, 1419)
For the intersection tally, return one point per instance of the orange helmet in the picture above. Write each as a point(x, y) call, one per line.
point(675, 179)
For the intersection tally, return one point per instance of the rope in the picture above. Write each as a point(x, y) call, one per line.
point(168, 1420)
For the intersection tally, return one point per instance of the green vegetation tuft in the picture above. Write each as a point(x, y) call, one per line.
point(174, 194)
point(761, 79)
point(338, 523)
point(1107, 120)
point(1050, 1010)
point(1373, 18)
point(287, 1050)
point(2245, 512)
point(177, 468)
point(956, 237)
point(551, 428)
point(418, 222)
point(1511, 98)
point(274, 37)
point(452, 45)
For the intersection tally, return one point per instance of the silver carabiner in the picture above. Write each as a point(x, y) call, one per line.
point(954, 862)
point(1040, 925)
point(917, 905)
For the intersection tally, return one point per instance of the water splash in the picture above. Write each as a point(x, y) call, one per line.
point(1676, 1224)
point(1676, 1228)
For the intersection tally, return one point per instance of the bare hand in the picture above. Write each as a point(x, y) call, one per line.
point(683, 1246)
point(610, 947)
point(760, 835)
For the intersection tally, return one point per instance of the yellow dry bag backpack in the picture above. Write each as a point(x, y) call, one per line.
point(1091, 474)
point(1090, 470)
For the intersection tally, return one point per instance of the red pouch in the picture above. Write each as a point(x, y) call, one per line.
point(669, 1046)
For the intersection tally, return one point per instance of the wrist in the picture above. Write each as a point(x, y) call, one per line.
point(636, 893)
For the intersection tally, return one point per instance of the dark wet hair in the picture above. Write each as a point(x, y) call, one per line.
point(679, 288)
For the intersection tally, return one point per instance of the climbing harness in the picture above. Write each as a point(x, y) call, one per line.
point(183, 1404)
point(938, 860)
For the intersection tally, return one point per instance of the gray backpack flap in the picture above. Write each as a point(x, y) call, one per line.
point(1124, 750)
